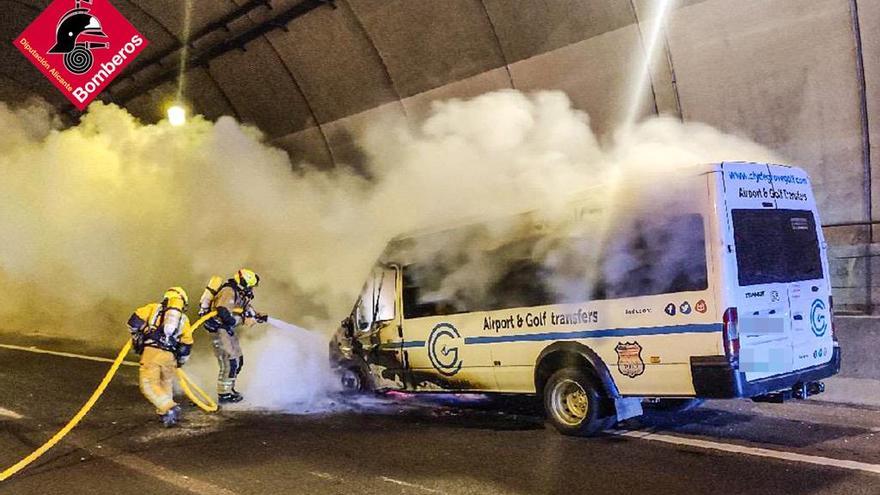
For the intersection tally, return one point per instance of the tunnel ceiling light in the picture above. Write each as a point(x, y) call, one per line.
point(176, 115)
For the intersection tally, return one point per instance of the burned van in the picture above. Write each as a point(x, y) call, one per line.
point(669, 287)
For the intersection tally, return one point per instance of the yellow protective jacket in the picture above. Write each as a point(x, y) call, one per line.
point(233, 307)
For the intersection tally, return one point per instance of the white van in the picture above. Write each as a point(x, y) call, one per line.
point(672, 286)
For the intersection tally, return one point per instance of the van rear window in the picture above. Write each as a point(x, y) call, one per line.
point(775, 246)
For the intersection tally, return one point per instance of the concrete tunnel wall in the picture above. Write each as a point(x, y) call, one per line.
point(794, 75)
point(785, 73)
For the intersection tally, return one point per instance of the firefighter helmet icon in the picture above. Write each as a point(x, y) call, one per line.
point(75, 23)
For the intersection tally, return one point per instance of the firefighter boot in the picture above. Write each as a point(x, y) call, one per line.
point(230, 398)
point(172, 417)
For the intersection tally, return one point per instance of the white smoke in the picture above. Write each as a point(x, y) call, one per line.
point(102, 217)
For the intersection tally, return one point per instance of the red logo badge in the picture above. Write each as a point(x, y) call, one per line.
point(80, 46)
point(700, 306)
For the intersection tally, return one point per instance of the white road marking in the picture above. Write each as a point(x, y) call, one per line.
point(64, 354)
point(754, 451)
point(10, 414)
point(323, 476)
point(409, 485)
point(143, 466)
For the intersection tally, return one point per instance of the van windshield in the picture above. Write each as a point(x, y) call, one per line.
point(774, 246)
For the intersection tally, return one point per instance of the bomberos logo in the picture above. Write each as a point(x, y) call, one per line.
point(80, 46)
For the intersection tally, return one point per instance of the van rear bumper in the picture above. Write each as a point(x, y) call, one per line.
point(715, 378)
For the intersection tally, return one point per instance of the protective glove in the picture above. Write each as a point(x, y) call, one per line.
point(226, 317)
point(137, 343)
point(182, 354)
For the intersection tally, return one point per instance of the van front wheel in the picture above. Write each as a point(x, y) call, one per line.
point(573, 404)
point(352, 381)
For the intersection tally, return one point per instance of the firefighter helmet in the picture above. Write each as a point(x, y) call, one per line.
point(75, 23)
point(247, 279)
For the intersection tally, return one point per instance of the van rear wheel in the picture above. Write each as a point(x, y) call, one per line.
point(573, 403)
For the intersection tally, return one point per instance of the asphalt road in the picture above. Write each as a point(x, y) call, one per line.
point(412, 445)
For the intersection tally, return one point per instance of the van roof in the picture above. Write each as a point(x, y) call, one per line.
point(696, 168)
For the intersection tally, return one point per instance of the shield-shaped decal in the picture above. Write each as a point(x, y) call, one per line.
point(629, 359)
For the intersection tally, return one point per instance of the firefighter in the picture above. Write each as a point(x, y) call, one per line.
point(232, 302)
point(162, 335)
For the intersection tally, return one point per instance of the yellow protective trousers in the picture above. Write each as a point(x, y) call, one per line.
point(157, 373)
point(229, 359)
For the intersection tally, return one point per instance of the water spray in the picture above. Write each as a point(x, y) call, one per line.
point(283, 325)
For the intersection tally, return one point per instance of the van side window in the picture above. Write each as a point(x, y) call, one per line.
point(651, 257)
point(422, 295)
point(413, 306)
point(643, 258)
point(522, 283)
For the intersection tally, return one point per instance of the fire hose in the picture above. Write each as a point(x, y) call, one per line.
point(193, 391)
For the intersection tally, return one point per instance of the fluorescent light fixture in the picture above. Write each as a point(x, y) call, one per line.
point(176, 115)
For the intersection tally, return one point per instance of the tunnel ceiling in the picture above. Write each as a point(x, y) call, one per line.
point(290, 66)
point(310, 73)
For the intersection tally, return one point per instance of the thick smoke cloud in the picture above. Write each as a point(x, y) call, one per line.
point(102, 217)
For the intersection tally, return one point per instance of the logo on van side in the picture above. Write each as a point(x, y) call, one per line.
point(818, 322)
point(629, 359)
point(443, 349)
point(685, 308)
point(750, 295)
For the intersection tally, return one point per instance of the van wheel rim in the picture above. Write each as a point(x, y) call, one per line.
point(351, 380)
point(568, 402)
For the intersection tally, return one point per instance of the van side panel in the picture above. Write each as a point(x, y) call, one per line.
point(441, 357)
point(642, 356)
point(646, 342)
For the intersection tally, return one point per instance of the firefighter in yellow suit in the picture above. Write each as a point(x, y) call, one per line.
point(232, 302)
point(162, 335)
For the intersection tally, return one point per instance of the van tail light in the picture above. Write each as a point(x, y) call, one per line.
point(831, 314)
point(731, 336)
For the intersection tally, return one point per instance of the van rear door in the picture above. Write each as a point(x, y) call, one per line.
point(809, 292)
point(781, 290)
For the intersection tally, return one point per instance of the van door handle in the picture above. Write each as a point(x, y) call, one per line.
point(798, 317)
point(815, 288)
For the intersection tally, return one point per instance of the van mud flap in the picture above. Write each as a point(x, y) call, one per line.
point(628, 407)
